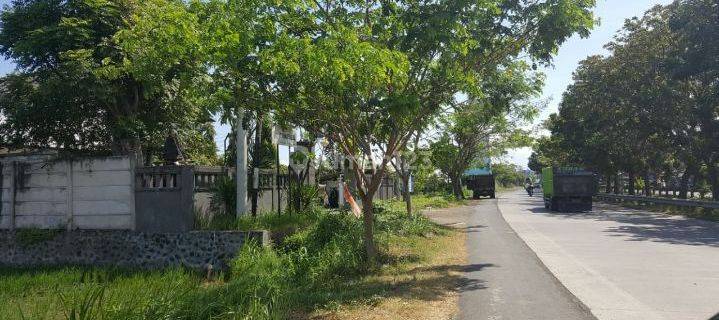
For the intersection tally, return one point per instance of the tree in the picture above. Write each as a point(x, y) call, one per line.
point(236, 32)
point(650, 107)
point(486, 126)
point(695, 24)
point(534, 163)
point(403, 163)
point(369, 74)
point(102, 75)
point(508, 175)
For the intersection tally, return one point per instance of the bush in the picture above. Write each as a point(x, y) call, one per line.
point(395, 222)
point(268, 221)
point(223, 199)
point(266, 283)
point(315, 266)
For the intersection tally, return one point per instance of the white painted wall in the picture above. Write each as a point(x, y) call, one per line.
point(88, 193)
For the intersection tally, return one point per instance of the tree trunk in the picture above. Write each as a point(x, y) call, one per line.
point(407, 197)
point(256, 160)
point(368, 235)
point(647, 186)
point(684, 186)
point(608, 187)
point(616, 184)
point(632, 187)
point(457, 187)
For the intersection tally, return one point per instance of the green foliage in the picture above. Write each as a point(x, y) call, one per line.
point(307, 197)
point(103, 76)
point(323, 256)
point(487, 125)
point(648, 108)
point(508, 175)
point(534, 163)
point(85, 308)
point(435, 184)
point(397, 222)
point(368, 76)
point(310, 268)
point(223, 199)
point(278, 222)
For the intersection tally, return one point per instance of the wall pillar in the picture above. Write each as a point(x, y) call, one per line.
point(69, 193)
point(13, 192)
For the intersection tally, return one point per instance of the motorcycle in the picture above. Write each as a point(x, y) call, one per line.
point(530, 190)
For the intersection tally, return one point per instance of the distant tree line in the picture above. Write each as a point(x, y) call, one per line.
point(650, 109)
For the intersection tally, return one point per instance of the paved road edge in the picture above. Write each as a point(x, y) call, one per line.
point(574, 297)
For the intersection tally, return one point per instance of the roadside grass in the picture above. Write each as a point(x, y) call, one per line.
point(57, 293)
point(266, 221)
point(317, 271)
point(691, 212)
point(421, 282)
point(421, 202)
point(421, 273)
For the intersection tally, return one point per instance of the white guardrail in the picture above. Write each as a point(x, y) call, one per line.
point(654, 200)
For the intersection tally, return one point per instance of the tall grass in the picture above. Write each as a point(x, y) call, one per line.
point(315, 266)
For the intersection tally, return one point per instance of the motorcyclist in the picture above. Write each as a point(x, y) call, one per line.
point(528, 186)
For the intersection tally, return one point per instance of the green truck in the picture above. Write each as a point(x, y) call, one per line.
point(568, 189)
point(480, 181)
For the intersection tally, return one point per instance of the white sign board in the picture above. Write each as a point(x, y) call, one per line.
point(285, 137)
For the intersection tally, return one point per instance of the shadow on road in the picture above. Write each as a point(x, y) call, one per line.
point(457, 268)
point(639, 225)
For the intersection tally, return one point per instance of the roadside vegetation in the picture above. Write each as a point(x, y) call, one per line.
point(320, 269)
point(116, 77)
point(364, 78)
point(656, 130)
point(691, 212)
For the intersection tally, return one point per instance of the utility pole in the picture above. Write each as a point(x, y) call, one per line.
point(241, 171)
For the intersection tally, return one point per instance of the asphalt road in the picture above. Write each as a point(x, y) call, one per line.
point(623, 264)
point(509, 281)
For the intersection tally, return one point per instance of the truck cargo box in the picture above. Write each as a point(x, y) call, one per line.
point(480, 181)
point(568, 189)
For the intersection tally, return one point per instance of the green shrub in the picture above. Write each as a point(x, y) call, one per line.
point(223, 199)
point(87, 306)
point(268, 221)
point(395, 222)
point(330, 247)
point(312, 267)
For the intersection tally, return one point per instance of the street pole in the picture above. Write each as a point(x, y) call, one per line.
point(241, 174)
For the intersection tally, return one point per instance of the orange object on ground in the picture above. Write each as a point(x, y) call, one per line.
point(351, 200)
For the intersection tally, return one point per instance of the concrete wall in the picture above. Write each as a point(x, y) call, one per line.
point(88, 193)
point(202, 202)
point(124, 248)
point(164, 199)
point(266, 203)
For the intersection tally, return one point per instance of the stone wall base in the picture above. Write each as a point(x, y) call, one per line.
point(122, 248)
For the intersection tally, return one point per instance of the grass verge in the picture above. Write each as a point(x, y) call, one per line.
point(691, 212)
point(420, 283)
point(317, 272)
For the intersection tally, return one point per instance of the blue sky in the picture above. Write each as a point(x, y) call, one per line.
point(611, 13)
